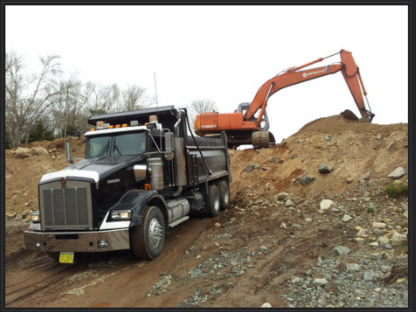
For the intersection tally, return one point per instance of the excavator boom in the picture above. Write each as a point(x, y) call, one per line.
point(241, 127)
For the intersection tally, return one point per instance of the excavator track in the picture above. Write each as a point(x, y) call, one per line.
point(262, 139)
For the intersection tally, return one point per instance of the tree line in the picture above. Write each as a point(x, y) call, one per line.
point(51, 104)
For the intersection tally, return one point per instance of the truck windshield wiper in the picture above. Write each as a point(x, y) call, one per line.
point(104, 149)
point(118, 150)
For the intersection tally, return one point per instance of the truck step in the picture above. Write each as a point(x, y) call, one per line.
point(179, 221)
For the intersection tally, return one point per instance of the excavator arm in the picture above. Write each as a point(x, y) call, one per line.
point(293, 76)
point(244, 126)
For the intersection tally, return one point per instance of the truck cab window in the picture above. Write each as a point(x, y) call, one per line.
point(98, 147)
point(130, 144)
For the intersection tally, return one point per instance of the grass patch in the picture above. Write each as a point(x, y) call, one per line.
point(395, 190)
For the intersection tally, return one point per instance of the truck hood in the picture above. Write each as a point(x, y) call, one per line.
point(96, 169)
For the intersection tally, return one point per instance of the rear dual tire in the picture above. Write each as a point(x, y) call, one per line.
point(224, 194)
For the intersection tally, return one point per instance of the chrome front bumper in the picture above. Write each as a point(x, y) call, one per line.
point(75, 241)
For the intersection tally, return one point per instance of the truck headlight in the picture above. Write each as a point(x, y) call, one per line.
point(35, 217)
point(120, 215)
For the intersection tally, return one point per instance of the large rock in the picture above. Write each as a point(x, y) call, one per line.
point(326, 204)
point(38, 151)
point(382, 240)
point(288, 203)
point(324, 168)
point(249, 168)
point(22, 152)
point(362, 233)
point(366, 176)
point(320, 281)
point(306, 180)
point(341, 250)
point(398, 238)
point(266, 305)
point(397, 173)
point(282, 196)
point(346, 218)
point(379, 225)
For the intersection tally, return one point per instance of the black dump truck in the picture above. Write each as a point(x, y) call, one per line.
point(144, 172)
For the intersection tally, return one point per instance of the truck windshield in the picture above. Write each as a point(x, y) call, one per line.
point(130, 144)
point(117, 145)
point(98, 147)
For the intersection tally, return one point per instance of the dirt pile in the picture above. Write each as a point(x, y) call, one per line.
point(353, 150)
point(24, 168)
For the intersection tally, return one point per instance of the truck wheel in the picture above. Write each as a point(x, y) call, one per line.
point(147, 239)
point(224, 194)
point(213, 201)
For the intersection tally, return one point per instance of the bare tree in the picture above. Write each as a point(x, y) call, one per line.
point(133, 98)
point(104, 99)
point(71, 105)
point(200, 106)
point(28, 96)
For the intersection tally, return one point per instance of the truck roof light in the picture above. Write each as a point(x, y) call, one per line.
point(118, 126)
point(153, 118)
point(92, 129)
point(111, 127)
point(147, 186)
point(125, 125)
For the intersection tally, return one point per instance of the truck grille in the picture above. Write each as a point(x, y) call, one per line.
point(67, 208)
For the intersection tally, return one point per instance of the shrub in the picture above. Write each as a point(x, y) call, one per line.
point(371, 209)
point(396, 190)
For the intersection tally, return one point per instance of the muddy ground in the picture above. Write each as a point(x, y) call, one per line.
point(249, 254)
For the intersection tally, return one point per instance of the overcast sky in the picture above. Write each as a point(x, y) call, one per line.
point(225, 53)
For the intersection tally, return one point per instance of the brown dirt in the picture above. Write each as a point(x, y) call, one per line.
point(254, 219)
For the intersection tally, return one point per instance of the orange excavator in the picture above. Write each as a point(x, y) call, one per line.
point(249, 124)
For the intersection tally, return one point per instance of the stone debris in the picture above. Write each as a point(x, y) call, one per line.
point(306, 180)
point(324, 168)
point(341, 250)
point(379, 225)
point(282, 196)
point(398, 173)
point(326, 204)
point(320, 281)
point(346, 218)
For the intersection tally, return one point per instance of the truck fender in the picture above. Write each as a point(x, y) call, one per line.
point(137, 201)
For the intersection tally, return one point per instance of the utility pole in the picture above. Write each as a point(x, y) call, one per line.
point(154, 75)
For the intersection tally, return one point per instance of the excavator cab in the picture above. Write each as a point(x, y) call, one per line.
point(264, 124)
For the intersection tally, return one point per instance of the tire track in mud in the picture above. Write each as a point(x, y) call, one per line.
point(35, 280)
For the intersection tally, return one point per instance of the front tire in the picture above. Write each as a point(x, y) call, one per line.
point(147, 239)
point(213, 200)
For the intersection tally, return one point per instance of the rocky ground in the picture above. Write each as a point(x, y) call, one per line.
point(310, 225)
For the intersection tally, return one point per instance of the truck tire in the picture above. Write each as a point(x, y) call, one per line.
point(147, 239)
point(213, 200)
point(224, 194)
